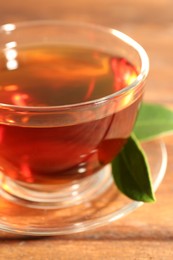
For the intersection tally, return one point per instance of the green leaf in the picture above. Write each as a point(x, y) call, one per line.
point(131, 172)
point(153, 121)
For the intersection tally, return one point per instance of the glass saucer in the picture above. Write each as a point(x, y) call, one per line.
point(107, 207)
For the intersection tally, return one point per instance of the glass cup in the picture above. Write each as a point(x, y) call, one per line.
point(58, 136)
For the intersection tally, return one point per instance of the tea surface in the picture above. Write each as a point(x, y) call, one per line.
point(60, 75)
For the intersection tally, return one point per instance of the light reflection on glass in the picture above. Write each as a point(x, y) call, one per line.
point(81, 170)
point(75, 193)
point(11, 55)
point(82, 167)
point(12, 64)
point(11, 45)
point(8, 27)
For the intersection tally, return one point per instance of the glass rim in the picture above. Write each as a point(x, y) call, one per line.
point(8, 28)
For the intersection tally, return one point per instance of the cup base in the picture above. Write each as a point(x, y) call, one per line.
point(62, 196)
point(102, 209)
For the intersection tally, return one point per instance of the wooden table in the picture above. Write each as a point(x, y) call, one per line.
point(147, 233)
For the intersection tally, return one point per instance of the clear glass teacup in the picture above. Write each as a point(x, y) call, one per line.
point(69, 97)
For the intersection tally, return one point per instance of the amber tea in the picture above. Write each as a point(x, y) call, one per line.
point(59, 75)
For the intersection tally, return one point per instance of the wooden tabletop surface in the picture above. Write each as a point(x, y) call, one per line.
point(147, 233)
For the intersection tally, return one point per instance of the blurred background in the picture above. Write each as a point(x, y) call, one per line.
point(149, 233)
point(150, 22)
